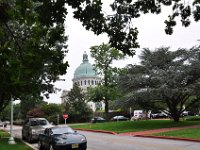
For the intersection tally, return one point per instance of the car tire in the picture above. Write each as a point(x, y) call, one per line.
point(50, 147)
point(40, 147)
point(30, 139)
point(23, 137)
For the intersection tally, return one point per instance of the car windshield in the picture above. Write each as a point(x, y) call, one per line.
point(38, 122)
point(62, 130)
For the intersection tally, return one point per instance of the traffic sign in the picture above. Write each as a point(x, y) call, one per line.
point(65, 116)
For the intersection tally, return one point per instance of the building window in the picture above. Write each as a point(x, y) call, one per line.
point(88, 82)
point(85, 82)
point(92, 82)
point(81, 83)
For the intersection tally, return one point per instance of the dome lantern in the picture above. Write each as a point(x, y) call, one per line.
point(85, 69)
point(85, 57)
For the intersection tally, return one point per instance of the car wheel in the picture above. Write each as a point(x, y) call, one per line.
point(51, 147)
point(23, 137)
point(40, 147)
point(29, 138)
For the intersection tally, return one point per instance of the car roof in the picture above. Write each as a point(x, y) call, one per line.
point(37, 118)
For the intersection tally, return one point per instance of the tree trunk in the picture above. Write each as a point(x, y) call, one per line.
point(106, 108)
point(176, 117)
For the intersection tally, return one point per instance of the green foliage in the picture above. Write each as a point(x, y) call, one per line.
point(76, 105)
point(104, 56)
point(5, 114)
point(164, 79)
point(51, 111)
point(118, 25)
point(99, 93)
point(4, 134)
point(192, 118)
point(32, 48)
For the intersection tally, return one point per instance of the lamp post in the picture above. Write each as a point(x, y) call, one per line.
point(11, 139)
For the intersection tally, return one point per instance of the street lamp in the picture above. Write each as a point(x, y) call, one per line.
point(11, 139)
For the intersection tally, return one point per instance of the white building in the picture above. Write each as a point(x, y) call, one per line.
point(85, 76)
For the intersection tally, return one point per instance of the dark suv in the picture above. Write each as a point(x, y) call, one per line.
point(32, 127)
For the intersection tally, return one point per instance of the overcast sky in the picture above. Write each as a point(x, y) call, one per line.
point(151, 35)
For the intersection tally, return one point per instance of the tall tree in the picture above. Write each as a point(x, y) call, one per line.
point(32, 48)
point(104, 56)
point(168, 79)
point(76, 102)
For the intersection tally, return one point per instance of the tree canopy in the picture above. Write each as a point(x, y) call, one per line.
point(104, 56)
point(32, 48)
point(119, 26)
point(33, 41)
point(168, 79)
point(76, 105)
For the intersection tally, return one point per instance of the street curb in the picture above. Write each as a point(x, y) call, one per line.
point(145, 136)
point(100, 131)
point(29, 145)
point(167, 137)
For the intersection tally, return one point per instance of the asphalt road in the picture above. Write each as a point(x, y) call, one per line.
point(102, 141)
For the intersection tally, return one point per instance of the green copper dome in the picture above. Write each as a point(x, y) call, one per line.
point(85, 69)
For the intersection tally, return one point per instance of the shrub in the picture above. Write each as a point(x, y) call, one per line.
point(193, 118)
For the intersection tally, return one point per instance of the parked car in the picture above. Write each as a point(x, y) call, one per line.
point(3, 124)
point(60, 138)
point(119, 118)
point(97, 119)
point(32, 127)
point(139, 117)
point(158, 115)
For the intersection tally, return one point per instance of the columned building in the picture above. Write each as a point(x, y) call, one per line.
point(85, 76)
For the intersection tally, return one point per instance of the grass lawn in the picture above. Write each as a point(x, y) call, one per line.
point(4, 134)
point(132, 126)
point(192, 133)
point(19, 146)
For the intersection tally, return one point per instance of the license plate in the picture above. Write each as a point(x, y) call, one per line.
point(74, 145)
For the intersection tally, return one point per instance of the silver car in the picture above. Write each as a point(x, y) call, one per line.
point(3, 123)
point(32, 127)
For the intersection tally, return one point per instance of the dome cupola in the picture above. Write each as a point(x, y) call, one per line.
point(85, 69)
